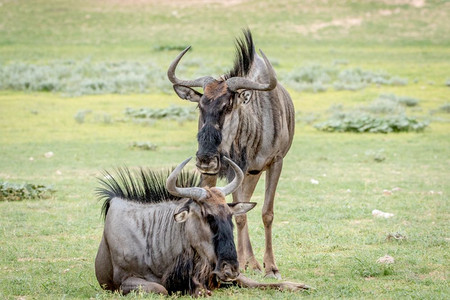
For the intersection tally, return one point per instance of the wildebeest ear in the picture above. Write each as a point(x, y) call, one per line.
point(182, 214)
point(187, 93)
point(245, 96)
point(240, 208)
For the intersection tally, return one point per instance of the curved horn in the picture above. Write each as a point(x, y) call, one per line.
point(199, 82)
point(194, 193)
point(236, 83)
point(239, 176)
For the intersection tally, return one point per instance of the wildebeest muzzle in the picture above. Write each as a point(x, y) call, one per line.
point(208, 164)
point(226, 272)
point(208, 157)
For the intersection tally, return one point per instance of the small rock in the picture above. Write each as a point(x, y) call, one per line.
point(380, 214)
point(31, 158)
point(313, 181)
point(58, 172)
point(386, 260)
point(49, 154)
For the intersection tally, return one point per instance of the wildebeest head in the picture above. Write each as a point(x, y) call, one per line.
point(208, 221)
point(220, 99)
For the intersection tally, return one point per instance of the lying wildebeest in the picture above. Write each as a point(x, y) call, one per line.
point(248, 116)
point(173, 239)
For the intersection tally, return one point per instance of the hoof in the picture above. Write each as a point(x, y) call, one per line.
point(274, 275)
point(252, 265)
point(293, 287)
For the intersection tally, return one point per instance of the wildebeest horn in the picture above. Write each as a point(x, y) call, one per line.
point(195, 193)
point(199, 82)
point(236, 83)
point(239, 176)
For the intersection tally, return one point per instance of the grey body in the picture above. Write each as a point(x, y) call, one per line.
point(128, 247)
point(248, 116)
point(166, 240)
point(173, 244)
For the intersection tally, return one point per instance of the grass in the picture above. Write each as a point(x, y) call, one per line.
point(324, 233)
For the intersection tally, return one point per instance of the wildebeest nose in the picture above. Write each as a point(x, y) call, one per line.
point(207, 162)
point(229, 272)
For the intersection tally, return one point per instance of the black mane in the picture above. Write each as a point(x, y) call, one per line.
point(143, 186)
point(245, 51)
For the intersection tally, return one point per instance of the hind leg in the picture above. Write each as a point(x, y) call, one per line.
point(103, 266)
point(272, 177)
point(139, 284)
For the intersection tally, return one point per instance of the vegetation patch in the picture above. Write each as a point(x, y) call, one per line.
point(357, 79)
point(385, 114)
point(312, 78)
point(25, 191)
point(364, 267)
point(445, 108)
point(77, 78)
point(357, 122)
point(178, 113)
point(169, 48)
point(317, 78)
point(84, 77)
point(144, 146)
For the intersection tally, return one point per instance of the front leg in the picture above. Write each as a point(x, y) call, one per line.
point(139, 284)
point(246, 257)
point(199, 289)
point(246, 282)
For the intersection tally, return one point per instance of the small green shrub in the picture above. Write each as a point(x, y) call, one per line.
point(179, 113)
point(366, 268)
point(25, 191)
point(403, 100)
point(144, 146)
point(356, 79)
point(377, 155)
point(390, 104)
point(80, 116)
point(445, 108)
point(314, 77)
point(169, 48)
point(384, 106)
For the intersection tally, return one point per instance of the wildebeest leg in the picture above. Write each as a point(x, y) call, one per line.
point(139, 284)
point(246, 257)
point(208, 181)
point(103, 266)
point(272, 177)
point(246, 282)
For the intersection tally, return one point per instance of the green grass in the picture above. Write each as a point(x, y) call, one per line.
point(324, 234)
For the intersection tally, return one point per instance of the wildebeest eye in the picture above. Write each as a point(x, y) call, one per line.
point(212, 223)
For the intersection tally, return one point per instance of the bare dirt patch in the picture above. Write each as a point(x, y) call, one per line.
point(346, 23)
point(175, 3)
point(414, 3)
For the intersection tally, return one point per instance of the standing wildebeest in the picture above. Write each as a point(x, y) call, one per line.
point(166, 240)
point(247, 116)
